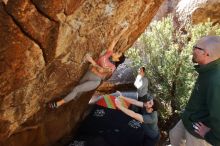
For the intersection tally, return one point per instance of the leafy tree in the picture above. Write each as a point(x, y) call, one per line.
point(165, 50)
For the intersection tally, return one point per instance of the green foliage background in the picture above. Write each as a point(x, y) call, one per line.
point(165, 50)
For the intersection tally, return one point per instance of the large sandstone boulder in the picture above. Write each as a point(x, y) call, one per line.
point(199, 10)
point(42, 43)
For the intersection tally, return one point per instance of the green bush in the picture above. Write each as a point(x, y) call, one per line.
point(165, 51)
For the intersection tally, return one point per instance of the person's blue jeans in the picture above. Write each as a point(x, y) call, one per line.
point(148, 141)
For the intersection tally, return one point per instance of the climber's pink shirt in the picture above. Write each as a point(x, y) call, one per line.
point(104, 62)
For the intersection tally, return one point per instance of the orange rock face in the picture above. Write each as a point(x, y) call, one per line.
point(42, 43)
point(199, 10)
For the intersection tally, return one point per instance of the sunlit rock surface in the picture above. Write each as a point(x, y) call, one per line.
point(199, 10)
point(42, 44)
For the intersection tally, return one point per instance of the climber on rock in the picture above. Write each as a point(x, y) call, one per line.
point(98, 71)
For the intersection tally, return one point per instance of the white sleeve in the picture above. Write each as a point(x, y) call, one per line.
point(138, 82)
